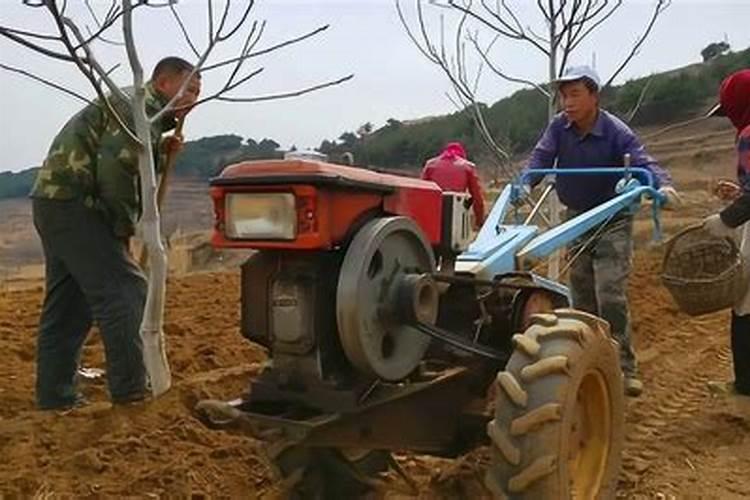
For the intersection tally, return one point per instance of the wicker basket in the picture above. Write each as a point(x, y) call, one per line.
point(703, 273)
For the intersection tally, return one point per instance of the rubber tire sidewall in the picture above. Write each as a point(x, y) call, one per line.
point(590, 348)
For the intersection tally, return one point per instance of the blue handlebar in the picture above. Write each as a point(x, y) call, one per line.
point(630, 184)
point(527, 174)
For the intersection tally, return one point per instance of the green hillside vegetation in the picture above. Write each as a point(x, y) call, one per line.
point(515, 121)
point(206, 157)
point(16, 184)
point(203, 158)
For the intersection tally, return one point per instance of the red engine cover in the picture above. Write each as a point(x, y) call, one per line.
point(343, 193)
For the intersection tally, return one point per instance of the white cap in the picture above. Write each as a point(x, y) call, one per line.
point(574, 73)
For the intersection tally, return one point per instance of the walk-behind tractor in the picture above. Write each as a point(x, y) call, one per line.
point(388, 328)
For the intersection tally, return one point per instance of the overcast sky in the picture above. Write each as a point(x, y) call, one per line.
point(365, 38)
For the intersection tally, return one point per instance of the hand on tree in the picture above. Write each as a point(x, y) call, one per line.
point(173, 144)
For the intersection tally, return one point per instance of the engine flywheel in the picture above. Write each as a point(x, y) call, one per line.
point(383, 286)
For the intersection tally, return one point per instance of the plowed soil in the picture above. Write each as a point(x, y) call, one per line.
point(681, 442)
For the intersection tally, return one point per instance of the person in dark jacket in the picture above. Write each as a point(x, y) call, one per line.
point(734, 103)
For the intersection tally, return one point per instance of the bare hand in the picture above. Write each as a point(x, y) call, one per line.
point(727, 190)
point(672, 199)
point(173, 144)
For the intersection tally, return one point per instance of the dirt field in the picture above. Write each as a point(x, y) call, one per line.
point(681, 442)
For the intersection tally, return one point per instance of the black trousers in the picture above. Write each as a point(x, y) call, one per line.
point(741, 352)
point(90, 277)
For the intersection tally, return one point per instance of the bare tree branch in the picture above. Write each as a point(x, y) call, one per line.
point(196, 69)
point(44, 81)
point(210, 19)
point(109, 72)
point(90, 62)
point(30, 34)
point(246, 48)
point(184, 30)
point(228, 86)
point(222, 20)
point(514, 31)
point(468, 95)
point(127, 31)
point(113, 14)
point(590, 17)
point(151, 3)
point(484, 55)
point(571, 31)
point(638, 103)
point(239, 24)
point(429, 51)
point(411, 35)
point(533, 34)
point(456, 71)
point(37, 48)
point(560, 10)
point(499, 29)
point(100, 37)
point(112, 10)
point(659, 8)
point(504, 4)
point(674, 126)
point(170, 105)
point(500, 155)
point(546, 13)
point(266, 50)
point(285, 95)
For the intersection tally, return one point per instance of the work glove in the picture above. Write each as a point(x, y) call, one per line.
point(672, 199)
point(716, 227)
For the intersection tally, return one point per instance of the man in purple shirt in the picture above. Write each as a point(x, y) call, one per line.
point(584, 135)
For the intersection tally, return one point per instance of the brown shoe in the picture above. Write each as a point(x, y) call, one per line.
point(633, 387)
point(724, 389)
point(738, 402)
point(130, 400)
point(721, 388)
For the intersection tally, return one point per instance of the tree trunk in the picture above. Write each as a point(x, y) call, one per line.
point(553, 270)
point(152, 334)
point(154, 351)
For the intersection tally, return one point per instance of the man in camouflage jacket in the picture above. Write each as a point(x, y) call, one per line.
point(86, 203)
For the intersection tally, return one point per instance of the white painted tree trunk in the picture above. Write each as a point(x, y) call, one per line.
point(152, 332)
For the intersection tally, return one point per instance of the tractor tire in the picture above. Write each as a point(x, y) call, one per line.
point(328, 473)
point(558, 425)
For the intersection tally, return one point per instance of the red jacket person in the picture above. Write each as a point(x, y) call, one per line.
point(453, 172)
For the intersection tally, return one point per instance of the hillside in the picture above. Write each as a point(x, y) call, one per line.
point(680, 441)
point(514, 121)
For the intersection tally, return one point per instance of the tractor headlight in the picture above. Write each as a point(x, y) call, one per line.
point(261, 216)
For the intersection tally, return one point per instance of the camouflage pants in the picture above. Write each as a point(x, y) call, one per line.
point(90, 277)
point(599, 279)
